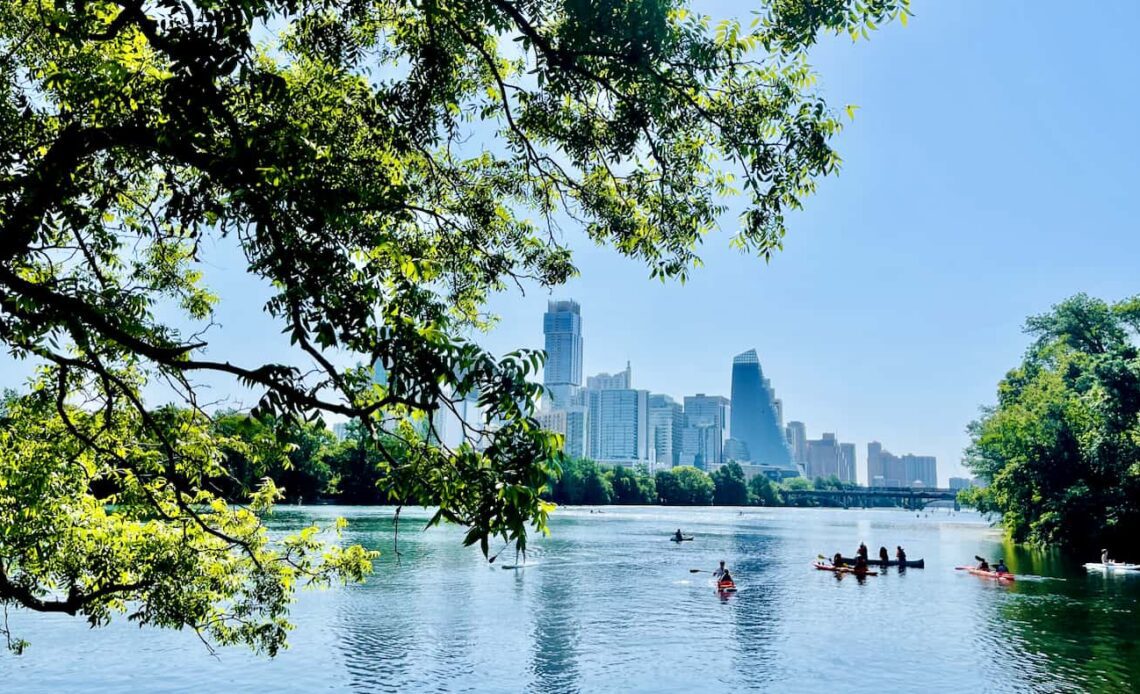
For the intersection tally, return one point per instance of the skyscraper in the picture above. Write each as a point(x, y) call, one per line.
point(573, 424)
point(822, 457)
point(666, 424)
point(884, 469)
point(847, 463)
point(622, 380)
point(562, 375)
point(797, 440)
point(619, 426)
point(754, 418)
point(706, 428)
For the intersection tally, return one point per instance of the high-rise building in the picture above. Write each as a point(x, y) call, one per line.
point(921, 470)
point(847, 463)
point(797, 440)
point(666, 424)
point(706, 428)
point(755, 420)
point(822, 457)
point(959, 483)
point(735, 450)
point(573, 424)
point(622, 380)
point(562, 374)
point(884, 469)
point(619, 426)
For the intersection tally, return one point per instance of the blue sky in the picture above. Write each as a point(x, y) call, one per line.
point(987, 175)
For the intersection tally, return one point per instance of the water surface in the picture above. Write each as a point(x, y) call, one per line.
point(607, 603)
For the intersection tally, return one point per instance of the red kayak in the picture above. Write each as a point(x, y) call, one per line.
point(843, 570)
point(999, 576)
point(726, 586)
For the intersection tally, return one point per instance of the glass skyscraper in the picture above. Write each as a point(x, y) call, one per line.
point(755, 421)
point(562, 375)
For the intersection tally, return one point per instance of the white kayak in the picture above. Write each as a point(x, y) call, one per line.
point(1112, 566)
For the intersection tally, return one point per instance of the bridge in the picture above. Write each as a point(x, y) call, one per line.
point(914, 498)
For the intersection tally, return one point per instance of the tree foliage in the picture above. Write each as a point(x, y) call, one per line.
point(684, 486)
point(729, 486)
point(382, 166)
point(1061, 448)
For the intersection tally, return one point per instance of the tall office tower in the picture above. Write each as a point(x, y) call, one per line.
point(619, 426)
point(562, 374)
point(822, 457)
point(876, 474)
point(797, 440)
point(706, 428)
point(847, 463)
point(622, 380)
point(754, 417)
point(573, 424)
point(779, 405)
point(735, 451)
point(666, 424)
point(921, 470)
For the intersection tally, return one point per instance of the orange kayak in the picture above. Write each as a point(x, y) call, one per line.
point(843, 570)
point(999, 576)
point(726, 586)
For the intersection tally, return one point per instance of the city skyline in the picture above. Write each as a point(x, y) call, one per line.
point(611, 420)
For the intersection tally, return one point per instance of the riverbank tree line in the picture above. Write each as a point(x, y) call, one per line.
point(1060, 448)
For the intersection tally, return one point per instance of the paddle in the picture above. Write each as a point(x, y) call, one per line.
point(699, 571)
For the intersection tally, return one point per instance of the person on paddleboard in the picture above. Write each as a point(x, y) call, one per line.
point(884, 556)
point(1104, 557)
point(721, 571)
point(900, 554)
point(861, 564)
point(862, 551)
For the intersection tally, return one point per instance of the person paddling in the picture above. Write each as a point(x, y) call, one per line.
point(983, 565)
point(725, 580)
point(883, 556)
point(862, 551)
point(900, 554)
point(678, 537)
point(721, 571)
point(837, 560)
point(860, 564)
point(1000, 567)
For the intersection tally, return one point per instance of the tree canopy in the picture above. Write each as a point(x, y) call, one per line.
point(1060, 450)
point(382, 166)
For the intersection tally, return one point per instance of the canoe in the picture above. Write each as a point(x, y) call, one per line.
point(843, 570)
point(987, 574)
point(683, 539)
point(1112, 566)
point(910, 563)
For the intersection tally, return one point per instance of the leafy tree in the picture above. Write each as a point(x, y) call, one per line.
point(583, 482)
point(337, 159)
point(1061, 448)
point(684, 486)
point(632, 486)
point(762, 492)
point(799, 484)
point(730, 486)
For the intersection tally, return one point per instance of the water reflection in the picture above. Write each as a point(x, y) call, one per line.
point(554, 637)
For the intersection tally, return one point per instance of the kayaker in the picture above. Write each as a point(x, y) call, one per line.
point(721, 571)
point(862, 551)
point(900, 554)
point(860, 564)
point(983, 565)
point(725, 580)
point(883, 556)
point(837, 560)
point(678, 537)
point(1000, 567)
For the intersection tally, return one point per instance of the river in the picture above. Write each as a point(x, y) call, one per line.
point(607, 603)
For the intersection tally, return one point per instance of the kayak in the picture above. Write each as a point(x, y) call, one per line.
point(843, 569)
point(1112, 566)
point(987, 574)
point(683, 539)
point(910, 563)
point(726, 587)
